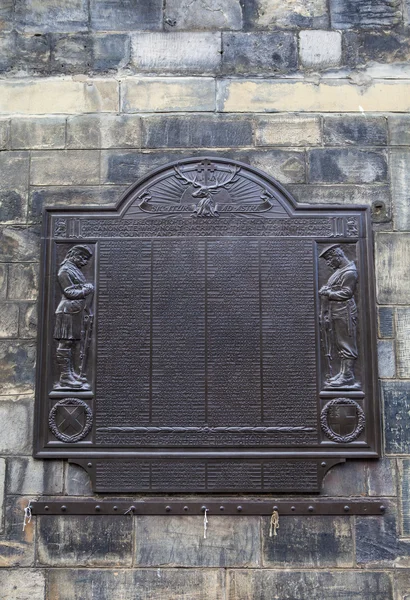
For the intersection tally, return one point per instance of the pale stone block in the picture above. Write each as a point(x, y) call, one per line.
point(17, 360)
point(200, 14)
point(333, 96)
point(320, 49)
point(15, 434)
point(393, 268)
point(22, 584)
point(400, 185)
point(288, 130)
point(403, 342)
point(168, 94)
point(66, 167)
point(2, 489)
point(386, 359)
point(289, 13)
point(58, 96)
point(26, 476)
point(104, 131)
point(23, 282)
point(4, 133)
point(38, 133)
point(9, 319)
point(187, 52)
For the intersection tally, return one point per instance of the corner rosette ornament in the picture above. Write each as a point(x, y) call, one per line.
point(70, 420)
point(342, 420)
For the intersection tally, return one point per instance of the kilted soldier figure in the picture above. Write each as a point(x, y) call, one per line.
point(339, 316)
point(73, 317)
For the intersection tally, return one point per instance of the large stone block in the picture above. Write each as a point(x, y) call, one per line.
point(386, 358)
point(23, 282)
point(26, 476)
point(19, 244)
point(104, 131)
point(320, 49)
point(381, 477)
point(400, 183)
point(23, 584)
point(9, 319)
point(110, 52)
point(259, 53)
point(396, 396)
point(308, 543)
point(196, 14)
point(77, 481)
point(196, 132)
point(351, 129)
point(27, 320)
point(51, 15)
point(16, 545)
point(266, 584)
point(66, 167)
point(378, 47)
point(179, 52)
point(161, 94)
point(362, 478)
point(404, 466)
point(2, 489)
point(17, 361)
point(4, 134)
point(14, 169)
point(403, 342)
point(43, 133)
point(264, 14)
point(127, 167)
point(347, 165)
point(139, 584)
point(393, 268)
point(58, 96)
point(345, 14)
point(84, 541)
point(237, 95)
point(402, 583)
point(385, 321)
point(399, 128)
point(31, 54)
point(125, 15)
point(179, 541)
point(288, 130)
point(71, 54)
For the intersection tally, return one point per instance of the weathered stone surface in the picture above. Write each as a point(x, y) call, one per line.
point(19, 244)
point(288, 130)
point(17, 361)
point(31, 54)
point(110, 52)
point(347, 479)
point(23, 584)
point(402, 584)
point(125, 15)
point(405, 496)
point(2, 489)
point(308, 543)
point(386, 321)
point(396, 395)
point(16, 545)
point(77, 481)
point(14, 168)
point(266, 584)
point(6, 15)
point(65, 167)
point(393, 268)
point(262, 14)
point(381, 477)
point(343, 194)
point(165, 94)
point(58, 96)
point(399, 129)
point(320, 49)
point(4, 134)
point(200, 14)
point(177, 52)
point(71, 54)
point(26, 476)
point(259, 53)
point(126, 167)
point(196, 132)
point(361, 130)
point(9, 319)
point(386, 358)
point(84, 541)
point(51, 15)
point(3, 281)
point(403, 342)
point(28, 320)
point(104, 131)
point(334, 96)
point(400, 183)
point(345, 14)
point(169, 584)
point(179, 541)
point(23, 282)
point(347, 165)
point(376, 47)
point(47, 132)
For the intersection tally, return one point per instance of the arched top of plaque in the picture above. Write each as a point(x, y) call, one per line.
point(206, 187)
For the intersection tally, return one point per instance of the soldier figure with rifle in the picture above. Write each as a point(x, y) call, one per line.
point(338, 318)
point(74, 318)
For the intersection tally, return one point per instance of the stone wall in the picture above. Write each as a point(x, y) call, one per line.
point(93, 94)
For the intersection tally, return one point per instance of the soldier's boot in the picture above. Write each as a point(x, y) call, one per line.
point(346, 374)
point(67, 379)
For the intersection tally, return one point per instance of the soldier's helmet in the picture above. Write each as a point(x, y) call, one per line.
point(328, 250)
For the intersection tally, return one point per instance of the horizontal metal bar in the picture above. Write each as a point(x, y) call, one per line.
point(229, 507)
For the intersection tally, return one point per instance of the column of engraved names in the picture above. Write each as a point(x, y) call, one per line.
point(233, 351)
point(123, 362)
point(178, 332)
point(288, 334)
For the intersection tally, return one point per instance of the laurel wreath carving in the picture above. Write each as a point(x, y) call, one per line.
point(87, 425)
point(328, 431)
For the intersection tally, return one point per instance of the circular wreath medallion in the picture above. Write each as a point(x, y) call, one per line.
point(70, 420)
point(340, 413)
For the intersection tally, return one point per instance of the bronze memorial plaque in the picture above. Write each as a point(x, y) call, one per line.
point(207, 335)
